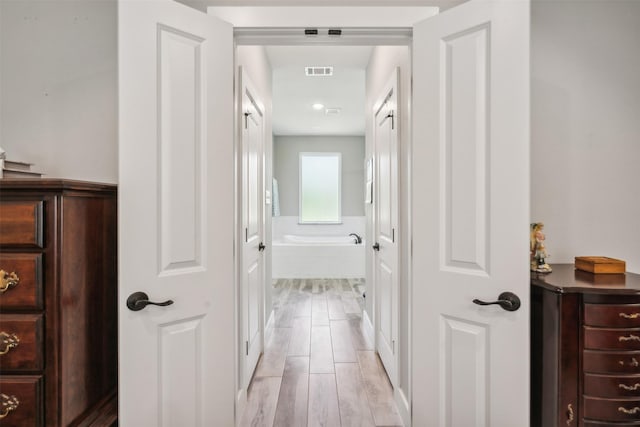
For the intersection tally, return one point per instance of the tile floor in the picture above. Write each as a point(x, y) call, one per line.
point(319, 367)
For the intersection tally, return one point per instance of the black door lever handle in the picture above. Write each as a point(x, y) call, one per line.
point(139, 300)
point(376, 246)
point(261, 246)
point(507, 300)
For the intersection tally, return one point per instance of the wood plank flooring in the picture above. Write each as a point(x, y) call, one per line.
point(319, 367)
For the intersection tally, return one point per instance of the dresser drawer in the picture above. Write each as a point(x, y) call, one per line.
point(611, 362)
point(21, 400)
point(21, 223)
point(21, 281)
point(602, 409)
point(21, 342)
point(588, 423)
point(611, 339)
point(612, 315)
point(612, 386)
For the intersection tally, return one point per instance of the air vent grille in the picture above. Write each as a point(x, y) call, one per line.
point(318, 71)
point(332, 111)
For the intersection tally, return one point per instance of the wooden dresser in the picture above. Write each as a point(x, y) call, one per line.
point(585, 349)
point(58, 318)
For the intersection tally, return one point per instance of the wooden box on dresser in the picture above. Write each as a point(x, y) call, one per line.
point(585, 348)
point(58, 315)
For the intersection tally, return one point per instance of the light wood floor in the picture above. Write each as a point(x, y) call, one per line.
point(319, 367)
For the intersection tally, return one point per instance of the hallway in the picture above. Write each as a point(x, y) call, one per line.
point(319, 367)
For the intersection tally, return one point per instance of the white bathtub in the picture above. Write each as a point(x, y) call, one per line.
point(322, 257)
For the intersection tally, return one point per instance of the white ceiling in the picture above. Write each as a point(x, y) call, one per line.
point(294, 93)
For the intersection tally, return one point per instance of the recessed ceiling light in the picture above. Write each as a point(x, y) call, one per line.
point(318, 106)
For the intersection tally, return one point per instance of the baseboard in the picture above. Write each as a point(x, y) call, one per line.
point(241, 405)
point(268, 328)
point(403, 406)
point(368, 327)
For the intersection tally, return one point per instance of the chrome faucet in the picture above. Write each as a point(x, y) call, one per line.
point(357, 238)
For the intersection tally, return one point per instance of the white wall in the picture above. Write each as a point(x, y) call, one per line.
point(384, 60)
point(58, 80)
point(586, 128)
point(286, 150)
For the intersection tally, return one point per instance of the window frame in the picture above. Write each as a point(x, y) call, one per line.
point(301, 155)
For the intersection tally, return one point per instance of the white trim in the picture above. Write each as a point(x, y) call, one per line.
point(241, 404)
point(349, 37)
point(368, 326)
point(268, 328)
point(407, 251)
point(403, 406)
point(323, 16)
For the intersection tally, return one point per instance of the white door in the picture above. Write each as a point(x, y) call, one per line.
point(252, 263)
point(386, 225)
point(176, 216)
point(470, 215)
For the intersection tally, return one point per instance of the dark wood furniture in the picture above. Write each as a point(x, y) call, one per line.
point(585, 348)
point(58, 315)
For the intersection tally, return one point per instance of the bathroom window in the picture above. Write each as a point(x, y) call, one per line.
point(320, 182)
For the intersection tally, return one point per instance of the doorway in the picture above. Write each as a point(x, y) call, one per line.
point(319, 309)
point(463, 232)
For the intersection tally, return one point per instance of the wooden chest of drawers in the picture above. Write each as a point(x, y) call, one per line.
point(58, 318)
point(585, 349)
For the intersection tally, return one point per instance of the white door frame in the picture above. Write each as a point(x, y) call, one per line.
point(365, 25)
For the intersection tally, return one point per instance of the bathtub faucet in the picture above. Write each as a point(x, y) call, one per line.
point(357, 238)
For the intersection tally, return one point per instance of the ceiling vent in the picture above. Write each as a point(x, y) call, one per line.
point(318, 71)
point(332, 111)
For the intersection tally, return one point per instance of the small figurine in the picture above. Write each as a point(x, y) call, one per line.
point(538, 251)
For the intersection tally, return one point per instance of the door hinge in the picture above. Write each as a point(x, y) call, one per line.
point(393, 235)
point(246, 345)
point(246, 234)
point(390, 115)
point(246, 120)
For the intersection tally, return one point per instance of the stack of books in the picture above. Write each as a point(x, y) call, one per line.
point(13, 169)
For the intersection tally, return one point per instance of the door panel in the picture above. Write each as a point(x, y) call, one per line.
point(253, 325)
point(386, 225)
point(180, 176)
point(179, 346)
point(252, 263)
point(471, 214)
point(385, 285)
point(175, 243)
point(465, 148)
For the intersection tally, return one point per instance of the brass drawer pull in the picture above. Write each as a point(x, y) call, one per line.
point(9, 403)
point(634, 362)
point(7, 342)
point(633, 411)
point(629, 316)
point(629, 338)
point(629, 387)
point(8, 280)
point(569, 414)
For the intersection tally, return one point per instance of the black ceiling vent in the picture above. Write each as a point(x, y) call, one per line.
point(311, 32)
point(335, 32)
